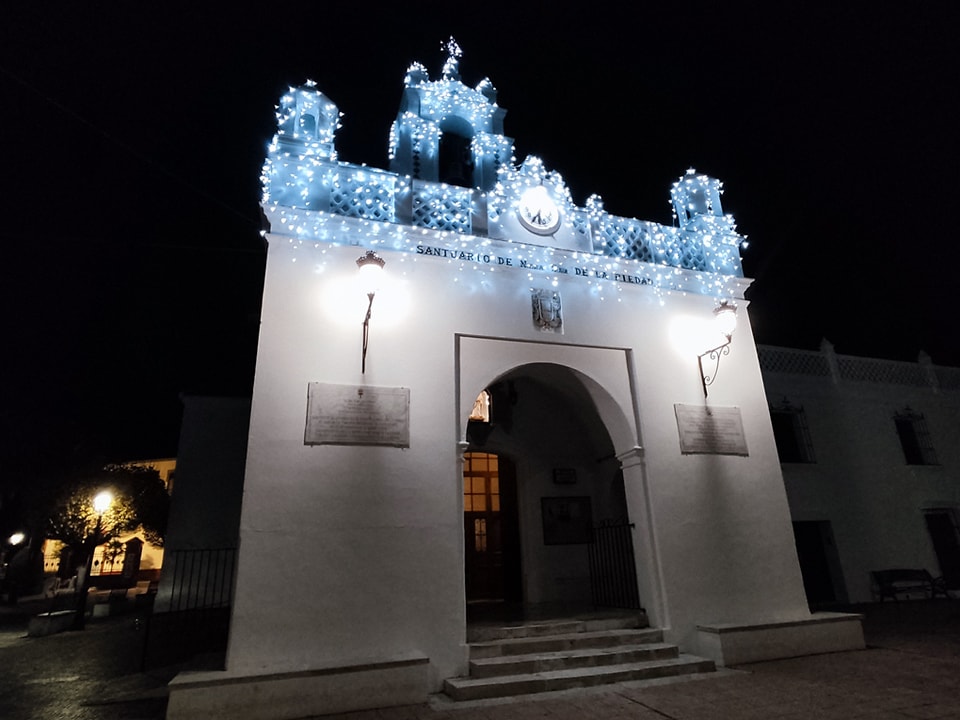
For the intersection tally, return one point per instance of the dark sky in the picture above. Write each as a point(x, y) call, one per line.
point(133, 135)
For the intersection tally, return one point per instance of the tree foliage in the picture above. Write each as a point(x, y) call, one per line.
point(140, 500)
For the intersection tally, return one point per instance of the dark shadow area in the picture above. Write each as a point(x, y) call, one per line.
point(198, 636)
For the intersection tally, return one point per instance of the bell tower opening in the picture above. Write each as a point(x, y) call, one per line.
point(456, 159)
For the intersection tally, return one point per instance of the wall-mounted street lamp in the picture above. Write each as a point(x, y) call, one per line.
point(371, 271)
point(725, 321)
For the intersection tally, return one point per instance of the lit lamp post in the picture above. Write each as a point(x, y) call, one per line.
point(8, 577)
point(725, 321)
point(101, 503)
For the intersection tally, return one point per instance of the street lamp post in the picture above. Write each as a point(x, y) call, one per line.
point(101, 503)
point(371, 269)
point(9, 577)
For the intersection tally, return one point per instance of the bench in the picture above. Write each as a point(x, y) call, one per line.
point(891, 583)
point(50, 623)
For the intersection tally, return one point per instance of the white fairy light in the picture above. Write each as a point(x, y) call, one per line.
point(310, 195)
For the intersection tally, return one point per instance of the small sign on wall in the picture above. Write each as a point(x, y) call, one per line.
point(710, 430)
point(357, 415)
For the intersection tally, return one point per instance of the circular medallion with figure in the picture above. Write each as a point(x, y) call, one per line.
point(537, 211)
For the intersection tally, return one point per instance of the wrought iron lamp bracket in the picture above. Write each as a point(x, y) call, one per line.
point(714, 354)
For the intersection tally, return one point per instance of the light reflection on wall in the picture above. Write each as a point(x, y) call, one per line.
point(343, 301)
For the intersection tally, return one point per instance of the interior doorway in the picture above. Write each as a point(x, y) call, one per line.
point(491, 529)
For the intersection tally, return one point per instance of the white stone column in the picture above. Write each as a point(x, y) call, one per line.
point(645, 548)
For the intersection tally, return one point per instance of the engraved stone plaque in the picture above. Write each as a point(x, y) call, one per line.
point(357, 415)
point(710, 430)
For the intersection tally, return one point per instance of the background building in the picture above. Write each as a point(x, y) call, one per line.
point(129, 554)
point(870, 451)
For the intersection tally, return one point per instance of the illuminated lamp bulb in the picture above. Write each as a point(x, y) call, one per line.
point(725, 318)
point(101, 503)
point(371, 272)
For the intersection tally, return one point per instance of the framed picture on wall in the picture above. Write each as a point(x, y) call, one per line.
point(567, 520)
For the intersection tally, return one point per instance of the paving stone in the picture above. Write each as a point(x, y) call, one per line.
point(910, 671)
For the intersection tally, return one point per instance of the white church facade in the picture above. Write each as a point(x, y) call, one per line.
point(524, 371)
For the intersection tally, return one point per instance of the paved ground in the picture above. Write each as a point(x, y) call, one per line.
point(911, 669)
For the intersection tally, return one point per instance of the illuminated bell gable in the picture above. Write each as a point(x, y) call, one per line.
point(448, 132)
point(491, 198)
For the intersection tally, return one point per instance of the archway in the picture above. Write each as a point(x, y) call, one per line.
point(455, 151)
point(546, 439)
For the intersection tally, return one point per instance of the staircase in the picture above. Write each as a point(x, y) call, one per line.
point(566, 654)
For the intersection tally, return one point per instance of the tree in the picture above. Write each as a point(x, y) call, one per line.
point(140, 500)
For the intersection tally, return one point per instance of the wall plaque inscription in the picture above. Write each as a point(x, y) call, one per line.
point(710, 430)
point(357, 415)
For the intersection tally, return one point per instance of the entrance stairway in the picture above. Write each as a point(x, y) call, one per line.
point(564, 654)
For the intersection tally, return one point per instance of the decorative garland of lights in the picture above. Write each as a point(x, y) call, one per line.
point(603, 274)
point(310, 183)
point(312, 197)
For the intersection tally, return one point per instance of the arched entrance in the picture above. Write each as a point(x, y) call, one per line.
point(540, 476)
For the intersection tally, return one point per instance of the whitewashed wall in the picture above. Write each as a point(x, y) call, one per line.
point(356, 553)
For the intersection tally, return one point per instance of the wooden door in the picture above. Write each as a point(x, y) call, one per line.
point(491, 547)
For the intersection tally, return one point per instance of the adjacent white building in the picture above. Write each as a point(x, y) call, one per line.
point(870, 452)
point(525, 370)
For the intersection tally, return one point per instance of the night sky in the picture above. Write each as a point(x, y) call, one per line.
point(133, 135)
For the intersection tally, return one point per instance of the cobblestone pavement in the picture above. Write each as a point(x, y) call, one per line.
point(90, 674)
point(911, 669)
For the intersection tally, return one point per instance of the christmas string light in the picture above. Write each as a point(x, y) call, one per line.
point(311, 196)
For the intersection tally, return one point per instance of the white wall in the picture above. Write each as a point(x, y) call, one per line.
point(351, 553)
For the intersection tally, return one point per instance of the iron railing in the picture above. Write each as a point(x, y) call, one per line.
point(613, 572)
point(191, 615)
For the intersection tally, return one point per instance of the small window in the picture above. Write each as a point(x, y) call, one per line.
point(914, 438)
point(791, 433)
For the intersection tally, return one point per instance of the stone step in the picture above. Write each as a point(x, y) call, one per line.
point(564, 641)
point(487, 633)
point(568, 659)
point(527, 683)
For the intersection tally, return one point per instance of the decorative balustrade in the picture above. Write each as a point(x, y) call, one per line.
point(826, 363)
point(381, 196)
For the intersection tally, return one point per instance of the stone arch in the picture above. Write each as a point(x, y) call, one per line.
point(566, 419)
point(605, 375)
